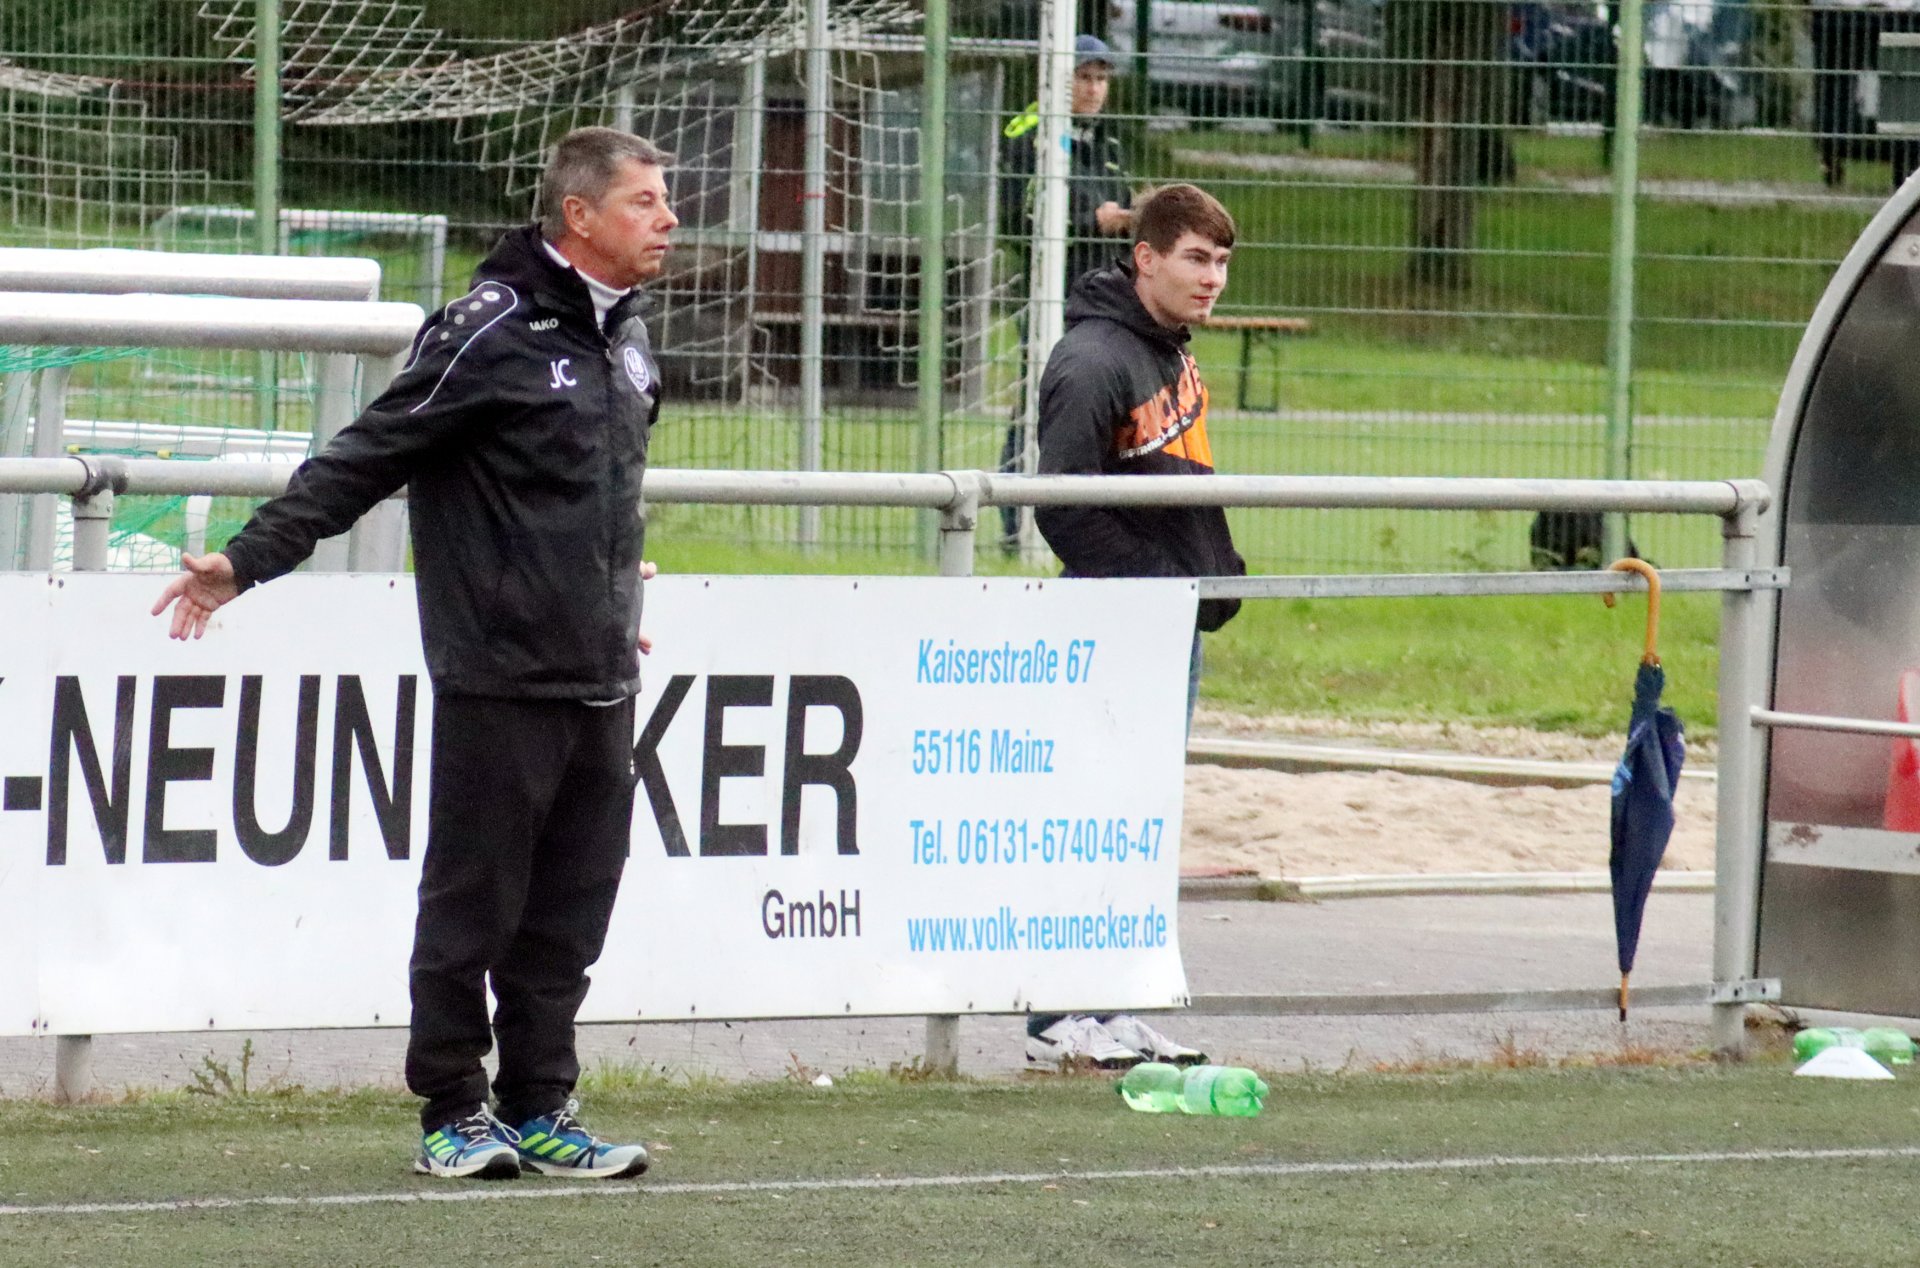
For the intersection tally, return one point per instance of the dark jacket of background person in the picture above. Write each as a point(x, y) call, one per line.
point(1095, 175)
point(1122, 396)
point(520, 429)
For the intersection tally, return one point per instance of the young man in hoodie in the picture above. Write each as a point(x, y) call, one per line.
point(520, 429)
point(1122, 395)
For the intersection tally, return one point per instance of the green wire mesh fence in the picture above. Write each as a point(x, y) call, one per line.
point(1424, 192)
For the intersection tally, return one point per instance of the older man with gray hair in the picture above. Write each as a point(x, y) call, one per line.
point(520, 428)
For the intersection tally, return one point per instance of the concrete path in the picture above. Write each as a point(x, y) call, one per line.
point(1360, 945)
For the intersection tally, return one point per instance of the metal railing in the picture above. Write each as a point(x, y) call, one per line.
point(960, 496)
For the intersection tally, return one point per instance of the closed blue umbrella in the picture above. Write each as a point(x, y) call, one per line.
point(1643, 786)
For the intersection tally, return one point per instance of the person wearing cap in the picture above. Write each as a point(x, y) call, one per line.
point(1099, 200)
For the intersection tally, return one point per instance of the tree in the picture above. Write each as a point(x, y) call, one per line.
point(1456, 89)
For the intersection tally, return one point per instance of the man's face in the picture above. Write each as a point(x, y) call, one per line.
point(1180, 287)
point(1090, 84)
point(625, 233)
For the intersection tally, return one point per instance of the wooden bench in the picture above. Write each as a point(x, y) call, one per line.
point(1264, 330)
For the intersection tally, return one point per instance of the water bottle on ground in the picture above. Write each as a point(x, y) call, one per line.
point(1888, 1045)
point(1229, 1091)
point(1815, 1040)
point(1225, 1090)
point(1153, 1087)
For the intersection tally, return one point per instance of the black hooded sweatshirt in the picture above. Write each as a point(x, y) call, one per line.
point(1122, 396)
point(520, 428)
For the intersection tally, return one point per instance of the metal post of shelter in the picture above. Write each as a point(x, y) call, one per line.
point(1741, 768)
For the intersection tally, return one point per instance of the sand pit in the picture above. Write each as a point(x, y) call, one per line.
point(1389, 823)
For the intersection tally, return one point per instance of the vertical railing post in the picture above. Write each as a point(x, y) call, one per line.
point(1738, 844)
point(92, 532)
point(49, 441)
point(72, 1068)
point(958, 521)
point(15, 410)
point(333, 408)
point(92, 525)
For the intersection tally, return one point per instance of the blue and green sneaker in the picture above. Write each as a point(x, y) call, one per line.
point(479, 1146)
point(557, 1145)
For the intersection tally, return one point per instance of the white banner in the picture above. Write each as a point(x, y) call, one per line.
point(857, 796)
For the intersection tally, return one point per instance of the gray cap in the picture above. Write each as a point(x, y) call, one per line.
point(1089, 50)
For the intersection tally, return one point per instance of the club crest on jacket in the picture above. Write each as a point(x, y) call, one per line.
point(637, 369)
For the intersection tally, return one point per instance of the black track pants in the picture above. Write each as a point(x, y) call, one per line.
point(530, 811)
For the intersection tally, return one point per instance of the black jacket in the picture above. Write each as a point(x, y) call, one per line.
point(1096, 175)
point(520, 429)
point(1122, 396)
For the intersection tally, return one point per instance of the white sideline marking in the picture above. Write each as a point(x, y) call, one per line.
point(532, 1188)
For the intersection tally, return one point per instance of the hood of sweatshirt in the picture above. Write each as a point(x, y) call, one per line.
point(1108, 294)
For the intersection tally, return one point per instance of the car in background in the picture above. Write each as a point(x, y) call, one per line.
point(1211, 57)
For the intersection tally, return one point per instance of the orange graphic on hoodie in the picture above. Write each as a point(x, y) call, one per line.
point(1172, 420)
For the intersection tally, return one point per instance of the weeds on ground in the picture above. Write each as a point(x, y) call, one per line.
point(628, 1078)
point(214, 1077)
point(1508, 1053)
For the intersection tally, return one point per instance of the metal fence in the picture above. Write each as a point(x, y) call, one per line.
point(1452, 261)
point(962, 500)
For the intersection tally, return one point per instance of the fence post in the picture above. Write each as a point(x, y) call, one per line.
point(1047, 278)
point(92, 529)
point(933, 232)
point(1737, 846)
point(266, 183)
point(958, 520)
point(813, 257)
point(1626, 182)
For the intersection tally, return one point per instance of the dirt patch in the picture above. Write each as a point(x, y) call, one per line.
point(1388, 823)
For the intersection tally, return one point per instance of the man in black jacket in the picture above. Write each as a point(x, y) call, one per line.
point(1121, 396)
point(520, 429)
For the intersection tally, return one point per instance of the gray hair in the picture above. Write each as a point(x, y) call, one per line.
point(584, 163)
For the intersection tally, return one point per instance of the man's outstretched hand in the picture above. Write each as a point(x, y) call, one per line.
point(207, 583)
point(648, 571)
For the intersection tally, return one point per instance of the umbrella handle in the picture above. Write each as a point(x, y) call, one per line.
point(1652, 574)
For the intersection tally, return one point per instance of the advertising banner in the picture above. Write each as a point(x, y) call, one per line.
point(854, 796)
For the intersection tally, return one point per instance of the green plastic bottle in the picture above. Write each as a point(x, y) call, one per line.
point(1229, 1091)
point(1888, 1046)
point(1815, 1040)
point(1153, 1087)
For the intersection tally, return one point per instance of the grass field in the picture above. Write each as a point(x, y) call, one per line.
point(1693, 1164)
